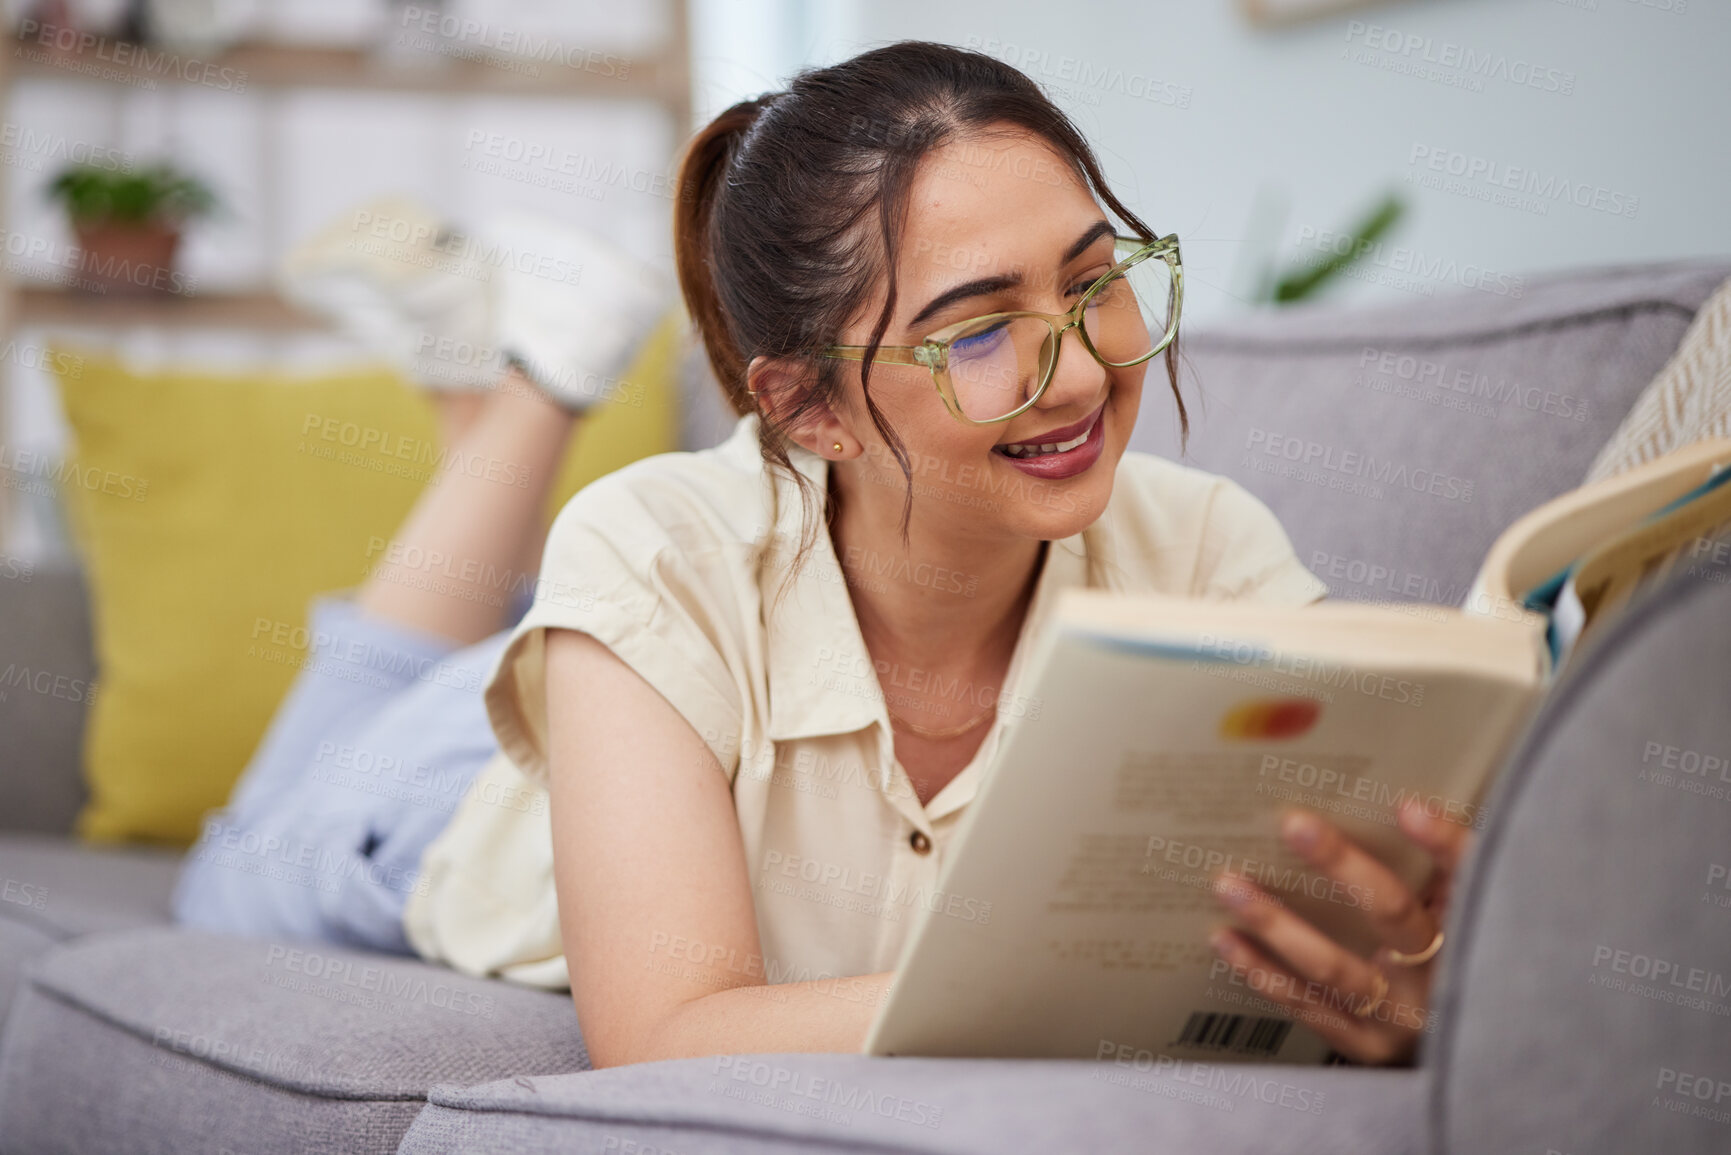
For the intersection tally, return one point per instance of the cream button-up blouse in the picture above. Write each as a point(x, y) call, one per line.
point(674, 563)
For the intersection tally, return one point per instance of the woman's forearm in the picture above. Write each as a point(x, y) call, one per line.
point(820, 1015)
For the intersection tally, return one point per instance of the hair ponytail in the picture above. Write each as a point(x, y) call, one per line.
point(702, 172)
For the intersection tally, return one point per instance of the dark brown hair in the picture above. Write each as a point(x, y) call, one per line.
point(777, 195)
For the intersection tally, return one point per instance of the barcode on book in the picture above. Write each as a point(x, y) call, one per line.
point(1241, 1034)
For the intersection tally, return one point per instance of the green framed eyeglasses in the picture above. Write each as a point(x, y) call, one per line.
point(991, 368)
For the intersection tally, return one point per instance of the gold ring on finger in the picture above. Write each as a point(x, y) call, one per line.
point(1402, 959)
point(1374, 1001)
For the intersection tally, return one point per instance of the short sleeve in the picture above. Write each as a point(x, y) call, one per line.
point(1245, 553)
point(648, 583)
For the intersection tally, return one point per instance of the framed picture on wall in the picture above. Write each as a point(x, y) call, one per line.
point(1276, 12)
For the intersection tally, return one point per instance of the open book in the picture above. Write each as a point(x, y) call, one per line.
point(1173, 734)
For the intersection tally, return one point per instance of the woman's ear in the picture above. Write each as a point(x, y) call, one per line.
point(781, 386)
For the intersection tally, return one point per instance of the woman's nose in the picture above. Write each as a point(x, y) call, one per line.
point(1077, 379)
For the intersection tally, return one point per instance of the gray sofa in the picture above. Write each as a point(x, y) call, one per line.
point(1585, 982)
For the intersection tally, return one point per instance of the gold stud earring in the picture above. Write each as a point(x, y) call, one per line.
point(838, 447)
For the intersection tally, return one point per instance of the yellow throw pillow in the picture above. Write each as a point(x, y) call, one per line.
point(209, 509)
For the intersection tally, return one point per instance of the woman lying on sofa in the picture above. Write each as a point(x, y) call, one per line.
point(934, 321)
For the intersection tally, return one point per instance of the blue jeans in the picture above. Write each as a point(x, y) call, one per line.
point(361, 768)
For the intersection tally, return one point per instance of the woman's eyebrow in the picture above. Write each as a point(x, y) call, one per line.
point(1100, 228)
point(967, 289)
point(984, 285)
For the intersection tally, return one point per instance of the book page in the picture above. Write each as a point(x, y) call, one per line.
point(1561, 531)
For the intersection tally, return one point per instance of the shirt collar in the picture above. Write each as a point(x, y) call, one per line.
point(1065, 567)
point(820, 675)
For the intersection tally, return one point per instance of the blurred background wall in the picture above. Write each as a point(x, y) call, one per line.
point(1525, 135)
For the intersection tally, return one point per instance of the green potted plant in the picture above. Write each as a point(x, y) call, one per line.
point(129, 223)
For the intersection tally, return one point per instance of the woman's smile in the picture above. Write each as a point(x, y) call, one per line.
point(1062, 452)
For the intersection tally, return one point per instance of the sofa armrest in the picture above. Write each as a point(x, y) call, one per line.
point(47, 680)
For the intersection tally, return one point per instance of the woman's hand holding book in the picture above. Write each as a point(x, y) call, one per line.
point(1370, 1010)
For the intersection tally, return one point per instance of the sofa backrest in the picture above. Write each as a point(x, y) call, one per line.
point(1395, 444)
point(1585, 998)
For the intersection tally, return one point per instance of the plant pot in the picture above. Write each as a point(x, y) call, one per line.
point(119, 257)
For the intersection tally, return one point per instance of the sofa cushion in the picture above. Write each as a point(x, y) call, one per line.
point(1586, 1006)
point(800, 1103)
point(1395, 444)
point(163, 1040)
point(224, 513)
point(52, 889)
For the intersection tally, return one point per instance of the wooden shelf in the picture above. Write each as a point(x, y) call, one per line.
point(428, 64)
point(260, 310)
point(455, 67)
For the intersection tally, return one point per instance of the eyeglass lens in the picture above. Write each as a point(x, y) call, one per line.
point(996, 369)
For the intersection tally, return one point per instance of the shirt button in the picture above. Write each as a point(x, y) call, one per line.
point(920, 843)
